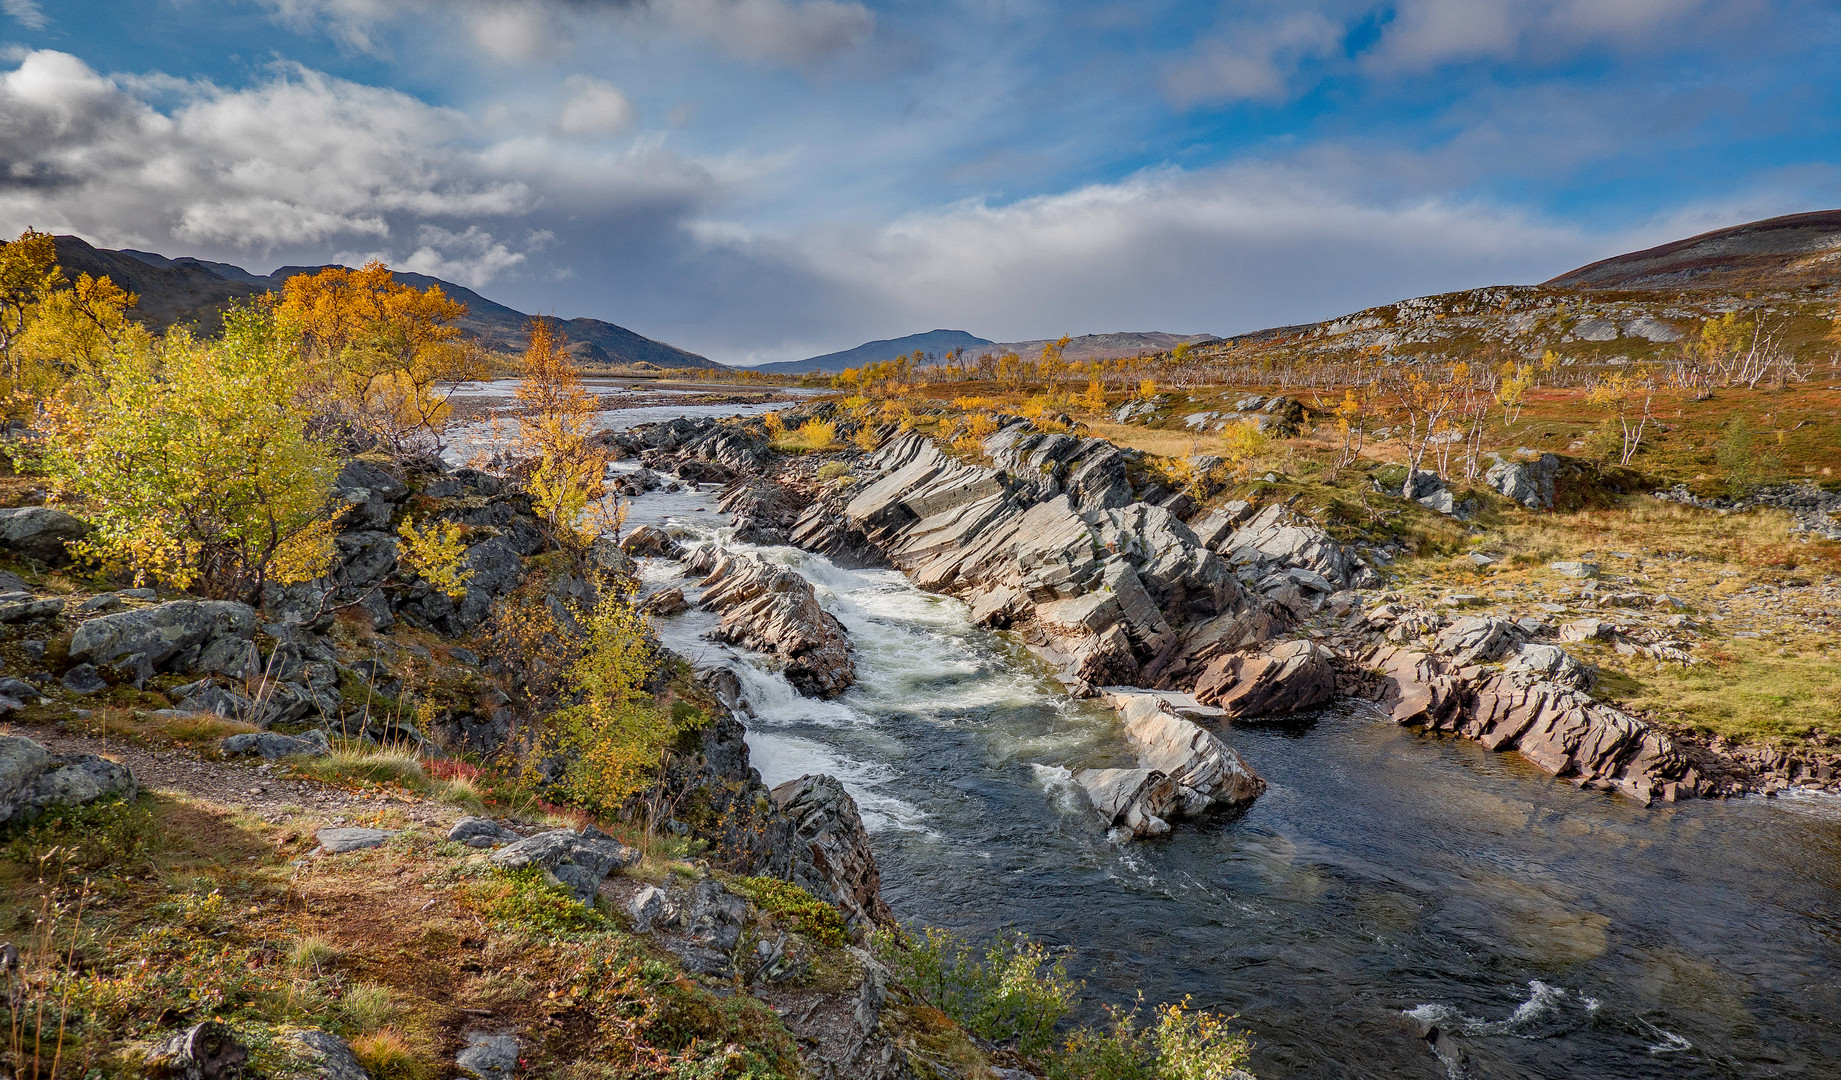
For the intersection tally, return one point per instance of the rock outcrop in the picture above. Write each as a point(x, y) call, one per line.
point(1183, 770)
point(771, 609)
point(1287, 678)
point(577, 861)
point(175, 636)
point(33, 780)
point(824, 818)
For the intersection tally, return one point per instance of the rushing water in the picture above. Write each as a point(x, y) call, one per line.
point(1387, 881)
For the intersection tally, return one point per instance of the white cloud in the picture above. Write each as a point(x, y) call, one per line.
point(1252, 61)
point(472, 258)
point(595, 108)
point(26, 13)
point(790, 32)
point(1427, 33)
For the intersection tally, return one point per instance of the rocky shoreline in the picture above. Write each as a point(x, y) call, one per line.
point(1232, 614)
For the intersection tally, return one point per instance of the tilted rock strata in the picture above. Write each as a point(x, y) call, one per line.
point(1183, 770)
point(772, 609)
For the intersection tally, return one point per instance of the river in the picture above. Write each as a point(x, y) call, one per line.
point(1386, 881)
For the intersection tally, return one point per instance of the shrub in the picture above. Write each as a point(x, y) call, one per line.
point(832, 470)
point(815, 919)
point(387, 1055)
point(1009, 989)
point(194, 460)
point(817, 434)
point(523, 898)
point(435, 553)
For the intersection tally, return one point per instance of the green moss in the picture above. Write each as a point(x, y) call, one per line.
point(525, 899)
point(811, 916)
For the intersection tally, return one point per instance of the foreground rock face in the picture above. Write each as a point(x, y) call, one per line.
point(824, 817)
point(167, 637)
point(772, 609)
point(33, 780)
point(1287, 678)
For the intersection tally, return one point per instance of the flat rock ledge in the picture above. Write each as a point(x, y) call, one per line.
point(771, 609)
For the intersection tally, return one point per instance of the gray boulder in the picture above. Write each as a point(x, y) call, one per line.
point(489, 1057)
point(1552, 663)
point(23, 607)
point(481, 832)
point(166, 637)
point(272, 746)
point(34, 780)
point(1529, 483)
point(337, 841)
point(826, 821)
point(578, 861)
point(1477, 639)
point(84, 679)
point(324, 1055)
point(1139, 800)
point(207, 1051)
point(40, 533)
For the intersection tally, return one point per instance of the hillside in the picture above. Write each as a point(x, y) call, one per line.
point(1780, 252)
point(1106, 346)
point(188, 290)
point(935, 342)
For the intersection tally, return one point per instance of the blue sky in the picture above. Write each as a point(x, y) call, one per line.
point(765, 179)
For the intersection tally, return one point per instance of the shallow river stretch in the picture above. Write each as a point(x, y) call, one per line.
point(1387, 880)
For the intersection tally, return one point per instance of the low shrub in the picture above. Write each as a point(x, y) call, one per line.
point(525, 899)
point(812, 917)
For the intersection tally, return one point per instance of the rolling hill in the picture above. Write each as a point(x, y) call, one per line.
point(1780, 252)
point(188, 290)
point(936, 342)
point(1106, 346)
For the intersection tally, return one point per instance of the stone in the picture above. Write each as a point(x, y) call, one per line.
point(337, 841)
point(1587, 630)
point(481, 832)
point(489, 1057)
point(326, 1056)
point(23, 607)
point(1287, 678)
point(712, 921)
point(1530, 483)
point(1206, 771)
point(274, 746)
point(206, 1051)
point(1477, 639)
point(650, 541)
point(99, 603)
point(40, 533)
point(84, 679)
point(825, 819)
point(34, 780)
point(1133, 799)
point(578, 861)
point(1552, 663)
point(165, 637)
point(1574, 568)
point(12, 583)
point(665, 603)
point(650, 907)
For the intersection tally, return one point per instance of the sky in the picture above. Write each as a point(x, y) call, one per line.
point(761, 180)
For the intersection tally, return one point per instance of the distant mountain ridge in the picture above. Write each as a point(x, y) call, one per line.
point(1779, 252)
point(936, 342)
point(1106, 346)
point(189, 290)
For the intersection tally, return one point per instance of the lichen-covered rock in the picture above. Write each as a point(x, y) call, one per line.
point(34, 780)
point(206, 1051)
point(1530, 483)
point(272, 745)
point(1477, 639)
point(40, 533)
point(166, 637)
point(579, 861)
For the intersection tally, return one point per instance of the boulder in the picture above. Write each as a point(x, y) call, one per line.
point(40, 533)
point(1206, 771)
point(206, 1051)
point(1552, 663)
point(1138, 800)
point(665, 603)
point(578, 861)
point(1580, 630)
point(337, 841)
point(488, 1057)
point(825, 819)
point(1530, 483)
point(650, 907)
point(33, 780)
point(650, 541)
point(23, 607)
point(481, 832)
point(84, 679)
point(1273, 536)
point(1477, 639)
point(711, 923)
point(166, 637)
point(372, 493)
point(1289, 677)
point(271, 745)
point(323, 1056)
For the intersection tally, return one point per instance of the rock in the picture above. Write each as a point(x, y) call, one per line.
point(1552, 663)
point(34, 780)
point(650, 907)
point(270, 745)
point(1587, 630)
point(1530, 483)
point(1287, 678)
point(481, 832)
point(650, 541)
point(1274, 536)
point(1477, 639)
point(84, 679)
point(166, 637)
point(1575, 569)
point(825, 819)
point(665, 603)
point(326, 1056)
point(1414, 687)
point(1133, 799)
point(771, 608)
point(23, 607)
point(207, 1051)
point(13, 583)
point(99, 603)
point(1206, 771)
point(40, 533)
point(713, 918)
point(337, 841)
point(489, 1057)
point(578, 861)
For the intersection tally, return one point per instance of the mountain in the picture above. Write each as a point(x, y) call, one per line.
point(1780, 252)
point(188, 290)
point(937, 342)
point(1106, 346)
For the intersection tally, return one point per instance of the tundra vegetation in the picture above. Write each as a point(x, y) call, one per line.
point(219, 467)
